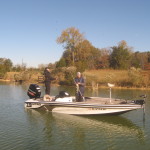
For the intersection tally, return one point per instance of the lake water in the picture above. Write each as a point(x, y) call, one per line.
point(22, 129)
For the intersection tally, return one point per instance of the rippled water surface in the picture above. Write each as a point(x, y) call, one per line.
point(22, 129)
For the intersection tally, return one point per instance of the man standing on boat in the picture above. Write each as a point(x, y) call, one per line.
point(48, 80)
point(80, 86)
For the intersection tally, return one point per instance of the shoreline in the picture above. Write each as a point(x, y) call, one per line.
point(119, 87)
point(105, 87)
point(2, 80)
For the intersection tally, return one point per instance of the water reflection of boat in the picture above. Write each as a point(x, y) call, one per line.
point(109, 123)
point(87, 127)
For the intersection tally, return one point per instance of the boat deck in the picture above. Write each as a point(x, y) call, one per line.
point(104, 101)
point(88, 100)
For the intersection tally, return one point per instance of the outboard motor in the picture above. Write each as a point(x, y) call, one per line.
point(34, 91)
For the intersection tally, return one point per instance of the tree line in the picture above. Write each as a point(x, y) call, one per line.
point(79, 52)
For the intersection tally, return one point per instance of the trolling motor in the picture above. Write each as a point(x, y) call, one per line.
point(140, 101)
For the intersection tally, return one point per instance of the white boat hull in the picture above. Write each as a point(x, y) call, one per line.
point(89, 111)
point(81, 108)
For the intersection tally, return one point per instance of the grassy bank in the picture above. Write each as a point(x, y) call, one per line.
point(25, 76)
point(132, 78)
point(118, 77)
point(121, 78)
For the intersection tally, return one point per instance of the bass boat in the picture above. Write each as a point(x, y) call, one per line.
point(66, 104)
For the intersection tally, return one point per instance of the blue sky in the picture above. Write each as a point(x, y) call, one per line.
point(29, 28)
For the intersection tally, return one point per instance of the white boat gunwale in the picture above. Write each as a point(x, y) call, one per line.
point(83, 108)
point(84, 104)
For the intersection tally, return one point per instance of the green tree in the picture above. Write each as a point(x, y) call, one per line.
point(135, 61)
point(5, 66)
point(88, 55)
point(17, 68)
point(79, 52)
point(148, 54)
point(121, 56)
point(8, 64)
point(70, 38)
point(141, 60)
point(104, 58)
point(61, 63)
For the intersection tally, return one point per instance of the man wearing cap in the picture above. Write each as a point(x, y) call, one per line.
point(48, 80)
point(80, 85)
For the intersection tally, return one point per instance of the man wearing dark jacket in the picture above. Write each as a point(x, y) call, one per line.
point(48, 80)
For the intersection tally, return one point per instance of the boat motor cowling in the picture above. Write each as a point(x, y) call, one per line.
point(34, 91)
point(63, 97)
point(63, 94)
